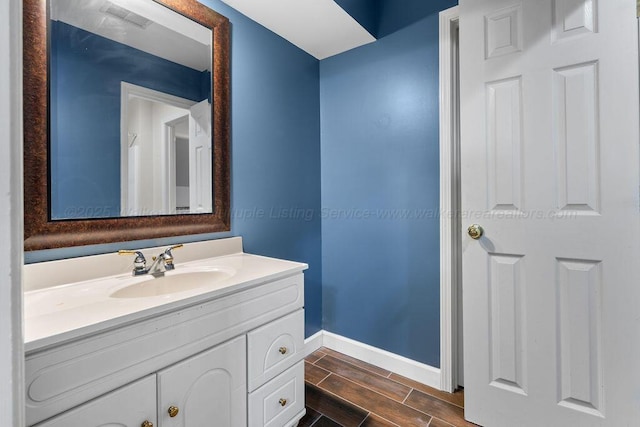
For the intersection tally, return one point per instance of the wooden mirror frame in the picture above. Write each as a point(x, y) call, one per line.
point(42, 233)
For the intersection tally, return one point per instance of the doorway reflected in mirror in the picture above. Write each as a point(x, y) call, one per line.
point(165, 153)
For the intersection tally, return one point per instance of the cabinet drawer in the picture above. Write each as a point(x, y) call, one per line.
point(274, 347)
point(279, 401)
point(130, 405)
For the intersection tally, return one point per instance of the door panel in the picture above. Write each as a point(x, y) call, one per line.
point(578, 287)
point(507, 323)
point(504, 144)
point(573, 18)
point(576, 139)
point(549, 161)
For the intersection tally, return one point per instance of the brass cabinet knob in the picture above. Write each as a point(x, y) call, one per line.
point(173, 411)
point(475, 231)
point(283, 350)
point(146, 424)
point(282, 402)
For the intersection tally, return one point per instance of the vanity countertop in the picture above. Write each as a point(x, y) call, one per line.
point(66, 312)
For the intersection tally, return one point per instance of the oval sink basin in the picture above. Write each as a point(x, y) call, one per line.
point(172, 282)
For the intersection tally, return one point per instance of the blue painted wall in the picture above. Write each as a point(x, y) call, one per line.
point(276, 151)
point(86, 71)
point(275, 157)
point(380, 192)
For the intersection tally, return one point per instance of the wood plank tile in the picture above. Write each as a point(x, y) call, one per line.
point(437, 422)
point(456, 398)
point(316, 355)
point(313, 374)
point(369, 400)
point(375, 421)
point(358, 363)
point(326, 422)
point(438, 408)
point(340, 411)
point(310, 417)
point(382, 385)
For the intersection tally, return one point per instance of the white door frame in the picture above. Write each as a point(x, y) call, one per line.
point(12, 407)
point(449, 195)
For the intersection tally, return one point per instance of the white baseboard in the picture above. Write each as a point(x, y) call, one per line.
point(416, 371)
point(313, 343)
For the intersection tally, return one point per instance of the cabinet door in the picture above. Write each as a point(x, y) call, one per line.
point(129, 406)
point(208, 389)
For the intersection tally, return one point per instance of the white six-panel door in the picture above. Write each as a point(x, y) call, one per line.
point(549, 160)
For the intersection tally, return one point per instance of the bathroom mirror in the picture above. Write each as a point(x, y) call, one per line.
point(126, 106)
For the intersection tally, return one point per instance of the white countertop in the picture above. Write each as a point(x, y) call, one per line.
point(66, 312)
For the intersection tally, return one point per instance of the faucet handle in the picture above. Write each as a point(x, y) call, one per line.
point(168, 256)
point(139, 263)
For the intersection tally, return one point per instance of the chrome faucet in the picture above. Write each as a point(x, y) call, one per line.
point(161, 263)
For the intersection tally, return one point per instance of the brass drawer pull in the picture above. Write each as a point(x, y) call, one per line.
point(282, 402)
point(173, 411)
point(283, 350)
point(146, 424)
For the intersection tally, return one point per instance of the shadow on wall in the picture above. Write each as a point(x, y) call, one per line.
point(395, 15)
point(384, 17)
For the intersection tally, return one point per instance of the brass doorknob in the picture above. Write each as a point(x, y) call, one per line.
point(173, 411)
point(146, 424)
point(283, 350)
point(282, 402)
point(475, 231)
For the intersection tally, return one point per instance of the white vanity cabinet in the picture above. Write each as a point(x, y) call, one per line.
point(234, 360)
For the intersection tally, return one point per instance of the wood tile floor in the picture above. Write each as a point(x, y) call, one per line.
point(343, 391)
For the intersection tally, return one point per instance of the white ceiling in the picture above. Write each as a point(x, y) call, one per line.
point(170, 35)
point(319, 27)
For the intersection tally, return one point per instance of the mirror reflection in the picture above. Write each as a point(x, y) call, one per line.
point(130, 110)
